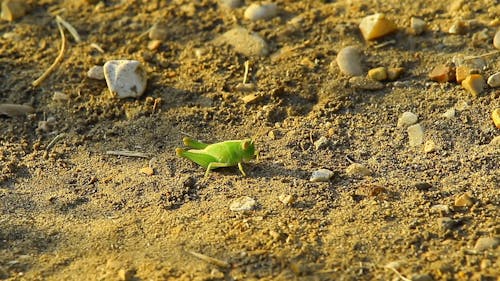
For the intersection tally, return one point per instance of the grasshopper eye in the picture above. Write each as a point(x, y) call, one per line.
point(246, 144)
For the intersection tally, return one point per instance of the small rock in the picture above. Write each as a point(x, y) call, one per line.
point(321, 175)
point(252, 98)
point(417, 25)
point(13, 9)
point(246, 87)
point(158, 31)
point(13, 110)
point(242, 204)
point(464, 200)
point(232, 4)
point(256, 12)
point(244, 42)
point(349, 61)
point(394, 73)
point(415, 135)
point(496, 39)
point(450, 113)
point(423, 186)
point(125, 78)
point(154, 45)
point(60, 96)
point(429, 146)
point(422, 277)
point(287, 199)
point(96, 72)
point(461, 72)
point(494, 80)
point(379, 73)
point(442, 73)
point(357, 170)
point(321, 142)
point(148, 171)
point(441, 208)
point(474, 83)
point(376, 26)
point(407, 119)
point(458, 27)
point(495, 115)
point(486, 243)
point(126, 274)
point(364, 83)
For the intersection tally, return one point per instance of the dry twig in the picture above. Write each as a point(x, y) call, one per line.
point(214, 261)
point(56, 62)
point(127, 153)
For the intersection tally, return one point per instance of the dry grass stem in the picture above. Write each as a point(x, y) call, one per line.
point(56, 62)
point(127, 153)
point(214, 261)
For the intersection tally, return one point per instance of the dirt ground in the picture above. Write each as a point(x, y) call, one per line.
point(70, 211)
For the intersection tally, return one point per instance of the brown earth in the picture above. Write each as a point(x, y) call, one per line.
point(72, 212)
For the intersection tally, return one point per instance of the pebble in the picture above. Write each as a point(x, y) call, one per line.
point(485, 243)
point(158, 32)
point(378, 73)
point(125, 78)
point(148, 171)
point(496, 39)
point(252, 98)
point(495, 141)
point(154, 45)
point(321, 175)
point(458, 27)
point(442, 73)
point(60, 96)
point(407, 119)
point(126, 274)
point(244, 42)
point(494, 80)
point(96, 72)
point(415, 135)
point(12, 10)
point(464, 200)
point(429, 146)
point(447, 223)
point(364, 83)
point(441, 208)
point(417, 25)
point(242, 204)
point(495, 116)
point(394, 73)
point(321, 142)
point(375, 26)
point(474, 84)
point(450, 113)
point(349, 61)
point(13, 110)
point(265, 11)
point(357, 170)
point(287, 199)
point(232, 4)
point(461, 72)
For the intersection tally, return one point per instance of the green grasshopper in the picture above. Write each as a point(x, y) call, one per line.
point(217, 155)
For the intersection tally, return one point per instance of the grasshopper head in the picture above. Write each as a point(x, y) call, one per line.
point(248, 149)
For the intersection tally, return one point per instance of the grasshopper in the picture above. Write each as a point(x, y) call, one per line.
point(222, 154)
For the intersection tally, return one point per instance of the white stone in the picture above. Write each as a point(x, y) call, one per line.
point(417, 25)
point(96, 72)
point(242, 204)
point(496, 39)
point(125, 78)
point(256, 12)
point(494, 80)
point(349, 61)
point(407, 118)
point(321, 175)
point(415, 134)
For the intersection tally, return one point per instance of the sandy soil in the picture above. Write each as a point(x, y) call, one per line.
point(73, 212)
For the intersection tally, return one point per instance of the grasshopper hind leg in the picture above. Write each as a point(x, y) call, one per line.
point(189, 142)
